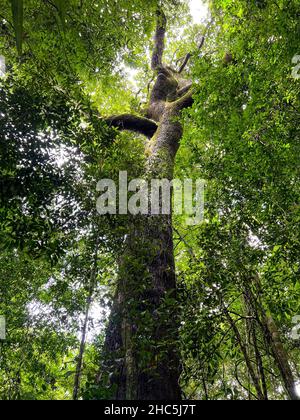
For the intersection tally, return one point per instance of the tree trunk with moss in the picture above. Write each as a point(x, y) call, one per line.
point(142, 338)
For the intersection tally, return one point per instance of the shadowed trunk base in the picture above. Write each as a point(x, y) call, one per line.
point(142, 338)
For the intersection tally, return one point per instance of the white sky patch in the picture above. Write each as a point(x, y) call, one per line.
point(2, 66)
point(130, 76)
point(62, 158)
point(254, 241)
point(64, 154)
point(199, 10)
point(298, 388)
point(96, 325)
point(97, 317)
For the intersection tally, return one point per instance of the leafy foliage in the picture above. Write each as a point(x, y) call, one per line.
point(242, 137)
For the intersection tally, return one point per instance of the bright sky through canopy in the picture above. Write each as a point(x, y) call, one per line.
point(2, 66)
point(199, 10)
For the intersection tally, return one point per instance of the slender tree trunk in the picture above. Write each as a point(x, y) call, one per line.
point(251, 329)
point(79, 363)
point(243, 347)
point(89, 301)
point(272, 336)
point(280, 357)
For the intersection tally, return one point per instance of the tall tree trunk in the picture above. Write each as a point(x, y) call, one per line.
point(142, 337)
point(143, 329)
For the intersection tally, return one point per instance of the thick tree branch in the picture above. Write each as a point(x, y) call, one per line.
point(159, 41)
point(134, 123)
point(189, 55)
point(185, 62)
point(181, 92)
point(185, 101)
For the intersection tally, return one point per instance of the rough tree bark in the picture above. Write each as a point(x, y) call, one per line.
point(281, 358)
point(252, 342)
point(141, 341)
point(272, 336)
